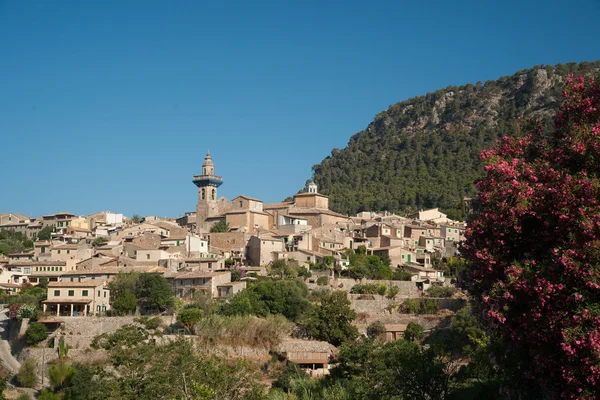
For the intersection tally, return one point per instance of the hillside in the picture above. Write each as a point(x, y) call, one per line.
point(424, 152)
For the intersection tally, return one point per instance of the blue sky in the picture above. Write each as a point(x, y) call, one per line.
point(111, 105)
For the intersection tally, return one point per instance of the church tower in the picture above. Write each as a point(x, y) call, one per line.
point(207, 184)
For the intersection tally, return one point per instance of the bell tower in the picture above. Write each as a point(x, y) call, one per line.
point(207, 184)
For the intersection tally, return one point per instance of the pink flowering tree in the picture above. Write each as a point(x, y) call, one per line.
point(533, 248)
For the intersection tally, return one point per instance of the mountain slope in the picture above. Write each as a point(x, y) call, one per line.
point(424, 152)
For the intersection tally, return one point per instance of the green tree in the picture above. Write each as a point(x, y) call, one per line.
point(45, 233)
point(331, 320)
point(125, 304)
point(220, 226)
point(136, 219)
point(414, 332)
point(155, 291)
point(376, 330)
point(188, 317)
point(27, 376)
point(35, 333)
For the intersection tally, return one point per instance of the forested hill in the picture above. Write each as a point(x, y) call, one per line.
point(424, 152)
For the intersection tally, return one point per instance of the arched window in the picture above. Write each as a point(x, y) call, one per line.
point(203, 194)
point(214, 194)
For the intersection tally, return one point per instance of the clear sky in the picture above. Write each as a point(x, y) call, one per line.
point(112, 105)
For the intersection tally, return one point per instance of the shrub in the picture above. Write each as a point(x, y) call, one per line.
point(441, 291)
point(375, 330)
point(322, 280)
point(410, 306)
point(27, 375)
point(392, 291)
point(414, 332)
point(26, 311)
point(36, 333)
point(149, 323)
point(532, 248)
point(428, 306)
point(400, 275)
point(189, 317)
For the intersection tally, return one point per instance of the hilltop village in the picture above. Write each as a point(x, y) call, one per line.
point(386, 265)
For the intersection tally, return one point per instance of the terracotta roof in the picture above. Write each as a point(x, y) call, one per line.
point(76, 284)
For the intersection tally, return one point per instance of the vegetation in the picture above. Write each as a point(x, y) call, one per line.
point(151, 291)
point(27, 375)
point(36, 333)
point(285, 297)
point(140, 369)
point(369, 288)
point(220, 226)
point(189, 317)
point(13, 242)
point(532, 250)
point(375, 330)
point(331, 319)
point(424, 152)
point(441, 291)
point(370, 267)
point(414, 332)
point(243, 330)
point(45, 233)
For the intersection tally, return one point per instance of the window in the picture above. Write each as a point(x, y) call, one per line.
point(105, 293)
point(201, 244)
point(68, 251)
point(84, 293)
point(135, 252)
point(402, 255)
point(57, 293)
point(308, 258)
point(98, 293)
point(241, 204)
point(71, 293)
point(177, 243)
point(147, 256)
point(58, 251)
point(27, 270)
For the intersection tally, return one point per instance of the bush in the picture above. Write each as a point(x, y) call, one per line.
point(410, 306)
point(375, 330)
point(36, 333)
point(189, 317)
point(392, 291)
point(369, 288)
point(26, 311)
point(400, 275)
point(149, 323)
point(428, 306)
point(441, 291)
point(27, 375)
point(322, 280)
point(414, 332)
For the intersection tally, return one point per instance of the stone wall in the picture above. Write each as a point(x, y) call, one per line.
point(228, 240)
point(80, 331)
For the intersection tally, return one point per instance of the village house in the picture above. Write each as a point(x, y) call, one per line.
point(77, 298)
point(261, 250)
point(19, 271)
point(187, 284)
